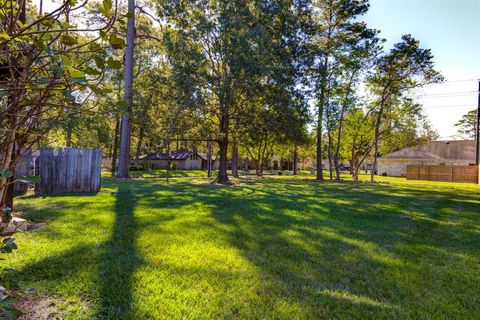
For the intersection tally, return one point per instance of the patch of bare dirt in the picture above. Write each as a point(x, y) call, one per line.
point(34, 307)
point(36, 225)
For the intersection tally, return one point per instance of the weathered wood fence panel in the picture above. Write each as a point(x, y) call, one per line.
point(68, 170)
point(24, 167)
point(466, 174)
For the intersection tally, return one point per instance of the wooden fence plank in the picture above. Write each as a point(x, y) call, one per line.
point(450, 173)
point(68, 170)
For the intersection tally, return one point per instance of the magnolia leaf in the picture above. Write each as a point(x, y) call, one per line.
point(98, 90)
point(91, 71)
point(74, 73)
point(5, 173)
point(94, 46)
point(68, 40)
point(116, 42)
point(46, 37)
point(28, 179)
point(114, 64)
point(48, 22)
point(106, 8)
point(103, 35)
point(99, 62)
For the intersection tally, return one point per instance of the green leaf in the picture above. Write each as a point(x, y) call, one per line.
point(4, 35)
point(99, 62)
point(103, 35)
point(98, 90)
point(5, 173)
point(114, 64)
point(68, 40)
point(116, 42)
point(94, 46)
point(28, 179)
point(74, 73)
point(91, 71)
point(48, 22)
point(106, 8)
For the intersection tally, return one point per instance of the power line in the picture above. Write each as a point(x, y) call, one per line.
point(449, 106)
point(452, 81)
point(450, 94)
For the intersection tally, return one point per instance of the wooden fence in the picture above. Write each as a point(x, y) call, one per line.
point(466, 174)
point(68, 170)
point(24, 167)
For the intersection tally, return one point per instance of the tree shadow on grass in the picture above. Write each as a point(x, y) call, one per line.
point(107, 268)
point(119, 259)
point(347, 251)
point(321, 251)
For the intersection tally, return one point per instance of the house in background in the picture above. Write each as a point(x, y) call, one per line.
point(453, 152)
point(179, 159)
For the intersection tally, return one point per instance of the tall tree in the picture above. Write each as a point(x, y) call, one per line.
point(125, 134)
point(467, 125)
point(335, 27)
point(404, 68)
point(223, 52)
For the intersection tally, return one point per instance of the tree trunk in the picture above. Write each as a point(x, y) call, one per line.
point(337, 150)
point(139, 144)
point(321, 107)
point(209, 159)
point(115, 146)
point(123, 163)
point(8, 195)
point(375, 144)
point(295, 160)
point(8, 161)
point(222, 176)
point(329, 153)
point(235, 160)
point(8, 187)
point(319, 146)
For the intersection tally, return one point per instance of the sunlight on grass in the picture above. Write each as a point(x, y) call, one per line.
point(356, 299)
point(145, 249)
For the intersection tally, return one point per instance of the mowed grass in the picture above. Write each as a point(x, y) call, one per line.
point(273, 248)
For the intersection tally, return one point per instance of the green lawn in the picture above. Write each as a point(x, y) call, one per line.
point(273, 248)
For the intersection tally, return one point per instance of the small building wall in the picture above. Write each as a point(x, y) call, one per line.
point(189, 164)
point(155, 164)
point(398, 167)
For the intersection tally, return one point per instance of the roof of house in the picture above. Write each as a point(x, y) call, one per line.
point(439, 150)
point(180, 154)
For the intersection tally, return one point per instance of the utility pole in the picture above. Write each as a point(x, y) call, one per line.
point(477, 130)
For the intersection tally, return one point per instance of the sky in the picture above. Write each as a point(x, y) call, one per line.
point(451, 29)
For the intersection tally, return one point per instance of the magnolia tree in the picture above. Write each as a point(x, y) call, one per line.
point(49, 65)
